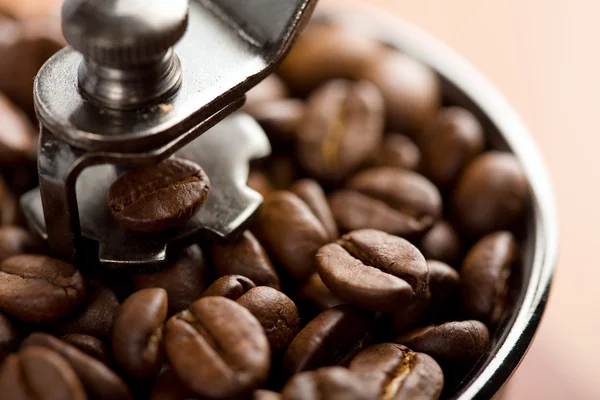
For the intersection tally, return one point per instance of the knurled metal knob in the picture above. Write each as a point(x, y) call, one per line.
point(127, 48)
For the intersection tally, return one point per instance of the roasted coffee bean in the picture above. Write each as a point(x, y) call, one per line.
point(39, 373)
point(258, 181)
point(159, 196)
point(9, 338)
point(458, 342)
point(184, 278)
point(441, 243)
point(282, 171)
point(281, 119)
point(313, 195)
point(391, 371)
point(230, 286)
point(97, 379)
point(169, 387)
point(374, 270)
point(411, 90)
point(97, 316)
point(137, 338)
point(89, 345)
point(398, 151)
point(217, 348)
point(291, 233)
point(485, 274)
point(333, 337)
point(490, 194)
point(10, 212)
point(270, 89)
point(15, 240)
point(392, 200)
point(406, 318)
point(314, 297)
point(277, 314)
point(325, 52)
point(39, 289)
point(444, 285)
point(245, 257)
point(342, 128)
point(17, 134)
point(451, 142)
point(332, 383)
point(262, 394)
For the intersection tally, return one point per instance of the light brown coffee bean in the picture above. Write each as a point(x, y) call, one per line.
point(442, 243)
point(159, 196)
point(291, 233)
point(334, 383)
point(168, 387)
point(485, 274)
point(96, 318)
point(184, 278)
point(218, 349)
point(342, 128)
point(97, 379)
point(277, 314)
point(457, 342)
point(9, 338)
point(137, 338)
point(310, 192)
point(374, 270)
point(17, 134)
point(270, 89)
point(262, 394)
point(392, 200)
point(398, 151)
point(391, 371)
point(39, 289)
point(490, 195)
point(281, 119)
point(245, 257)
point(411, 90)
point(39, 373)
point(258, 181)
point(229, 286)
point(15, 240)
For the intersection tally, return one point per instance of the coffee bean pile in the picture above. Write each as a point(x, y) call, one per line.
point(380, 265)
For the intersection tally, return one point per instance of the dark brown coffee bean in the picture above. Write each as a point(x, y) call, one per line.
point(333, 337)
point(314, 297)
point(169, 387)
point(138, 332)
point(183, 278)
point(391, 371)
point(281, 119)
point(332, 383)
point(41, 374)
point(218, 349)
point(398, 151)
point(490, 194)
point(17, 134)
point(10, 211)
point(392, 200)
point(39, 289)
point(459, 342)
point(245, 257)
point(325, 52)
point(159, 196)
point(310, 192)
point(262, 394)
point(444, 285)
point(9, 338)
point(89, 345)
point(97, 316)
point(277, 314)
point(342, 128)
point(291, 233)
point(406, 318)
point(454, 139)
point(374, 270)
point(442, 243)
point(258, 181)
point(270, 89)
point(411, 90)
point(230, 286)
point(281, 170)
point(97, 379)
point(15, 240)
point(484, 275)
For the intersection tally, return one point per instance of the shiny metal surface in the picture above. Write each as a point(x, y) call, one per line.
point(465, 86)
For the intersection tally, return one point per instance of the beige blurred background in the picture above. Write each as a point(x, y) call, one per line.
point(542, 55)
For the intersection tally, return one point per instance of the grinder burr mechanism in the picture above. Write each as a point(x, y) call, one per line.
point(143, 80)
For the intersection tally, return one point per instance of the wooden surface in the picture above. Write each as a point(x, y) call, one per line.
point(542, 55)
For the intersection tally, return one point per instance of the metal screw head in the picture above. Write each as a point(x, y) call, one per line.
point(124, 33)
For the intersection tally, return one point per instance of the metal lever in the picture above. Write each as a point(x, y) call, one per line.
point(134, 96)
